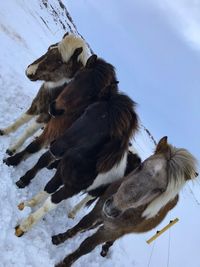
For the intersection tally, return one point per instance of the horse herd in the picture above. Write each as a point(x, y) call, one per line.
point(88, 123)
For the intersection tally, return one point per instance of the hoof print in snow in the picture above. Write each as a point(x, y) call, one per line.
point(18, 231)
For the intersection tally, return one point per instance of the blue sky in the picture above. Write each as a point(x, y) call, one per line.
point(155, 48)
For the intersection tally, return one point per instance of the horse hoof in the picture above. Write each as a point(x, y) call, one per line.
point(71, 215)
point(68, 261)
point(103, 253)
point(18, 232)
point(6, 161)
point(2, 132)
point(10, 161)
point(10, 152)
point(61, 264)
point(20, 184)
point(56, 239)
point(21, 206)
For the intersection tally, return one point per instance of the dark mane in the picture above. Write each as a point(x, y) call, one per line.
point(89, 84)
point(123, 124)
point(103, 71)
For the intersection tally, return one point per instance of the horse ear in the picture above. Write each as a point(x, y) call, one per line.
point(91, 61)
point(65, 35)
point(162, 145)
point(53, 46)
point(77, 52)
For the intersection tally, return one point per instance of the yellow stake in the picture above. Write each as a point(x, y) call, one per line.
point(170, 224)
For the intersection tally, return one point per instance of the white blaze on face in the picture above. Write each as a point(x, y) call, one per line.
point(31, 70)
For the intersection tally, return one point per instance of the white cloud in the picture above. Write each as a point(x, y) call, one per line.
point(184, 15)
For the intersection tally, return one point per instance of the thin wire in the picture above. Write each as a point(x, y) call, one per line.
point(198, 182)
point(192, 193)
point(151, 253)
point(169, 246)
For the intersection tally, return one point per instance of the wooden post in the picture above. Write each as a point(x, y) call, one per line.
point(170, 224)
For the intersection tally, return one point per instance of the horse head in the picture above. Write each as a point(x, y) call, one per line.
point(62, 60)
point(154, 183)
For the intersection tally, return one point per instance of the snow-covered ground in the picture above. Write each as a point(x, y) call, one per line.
point(27, 28)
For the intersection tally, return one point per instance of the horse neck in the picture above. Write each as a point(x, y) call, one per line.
point(132, 221)
point(52, 85)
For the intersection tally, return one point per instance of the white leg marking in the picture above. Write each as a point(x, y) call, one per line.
point(37, 215)
point(37, 199)
point(81, 204)
point(32, 128)
point(20, 121)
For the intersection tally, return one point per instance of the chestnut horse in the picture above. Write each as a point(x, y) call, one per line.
point(93, 151)
point(56, 67)
point(136, 203)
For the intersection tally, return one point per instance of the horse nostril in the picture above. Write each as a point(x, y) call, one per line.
point(31, 76)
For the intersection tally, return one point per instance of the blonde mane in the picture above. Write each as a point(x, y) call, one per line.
point(181, 167)
point(68, 45)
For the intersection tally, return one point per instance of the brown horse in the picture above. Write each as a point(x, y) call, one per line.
point(78, 94)
point(83, 90)
point(136, 203)
point(56, 67)
point(93, 150)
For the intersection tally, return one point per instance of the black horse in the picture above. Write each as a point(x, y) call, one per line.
point(93, 150)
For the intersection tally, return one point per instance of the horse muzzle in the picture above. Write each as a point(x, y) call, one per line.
point(32, 77)
point(110, 210)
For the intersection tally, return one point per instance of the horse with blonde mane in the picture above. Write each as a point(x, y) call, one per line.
point(56, 68)
point(136, 203)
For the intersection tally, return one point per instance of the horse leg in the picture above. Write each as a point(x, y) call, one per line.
point(105, 248)
point(43, 161)
point(14, 126)
point(81, 204)
point(33, 147)
point(50, 188)
point(37, 199)
point(89, 221)
point(32, 128)
point(102, 235)
point(53, 165)
point(50, 204)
